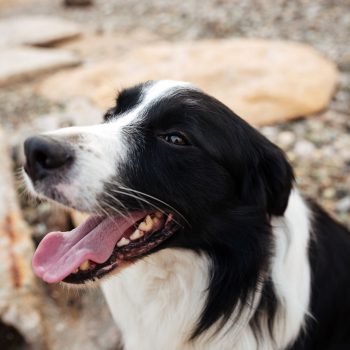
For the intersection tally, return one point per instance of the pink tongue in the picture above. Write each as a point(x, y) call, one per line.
point(61, 253)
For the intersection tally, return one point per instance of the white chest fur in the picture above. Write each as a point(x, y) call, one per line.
point(157, 302)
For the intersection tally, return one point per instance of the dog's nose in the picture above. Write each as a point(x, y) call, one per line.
point(45, 155)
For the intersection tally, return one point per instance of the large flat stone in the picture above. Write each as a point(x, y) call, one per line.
point(22, 63)
point(263, 81)
point(36, 30)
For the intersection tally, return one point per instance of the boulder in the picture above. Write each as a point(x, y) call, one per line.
point(261, 80)
point(36, 30)
point(18, 64)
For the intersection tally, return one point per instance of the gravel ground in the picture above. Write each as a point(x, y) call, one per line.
point(324, 23)
point(318, 147)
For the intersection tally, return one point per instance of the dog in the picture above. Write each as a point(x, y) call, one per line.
point(197, 232)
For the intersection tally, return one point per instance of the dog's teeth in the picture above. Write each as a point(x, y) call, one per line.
point(124, 241)
point(85, 265)
point(149, 221)
point(143, 226)
point(147, 224)
point(136, 235)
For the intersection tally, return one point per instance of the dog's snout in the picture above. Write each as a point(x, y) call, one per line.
point(45, 155)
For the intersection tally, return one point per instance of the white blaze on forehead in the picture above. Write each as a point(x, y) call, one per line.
point(160, 88)
point(150, 94)
point(100, 149)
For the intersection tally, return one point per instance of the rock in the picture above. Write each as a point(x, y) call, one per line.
point(22, 63)
point(78, 2)
point(286, 139)
point(270, 132)
point(304, 149)
point(263, 81)
point(36, 30)
point(343, 205)
point(329, 193)
point(19, 295)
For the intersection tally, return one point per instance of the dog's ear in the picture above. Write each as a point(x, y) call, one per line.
point(262, 176)
point(268, 178)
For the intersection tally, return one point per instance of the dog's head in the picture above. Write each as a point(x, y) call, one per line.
point(169, 167)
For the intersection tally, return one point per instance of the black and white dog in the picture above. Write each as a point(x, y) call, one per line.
point(197, 231)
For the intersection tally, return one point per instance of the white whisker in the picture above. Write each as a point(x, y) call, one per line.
point(156, 199)
point(128, 217)
point(144, 200)
point(106, 213)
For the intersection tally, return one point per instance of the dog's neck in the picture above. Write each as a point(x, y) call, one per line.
point(157, 301)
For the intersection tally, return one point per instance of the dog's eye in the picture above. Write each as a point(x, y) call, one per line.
point(175, 138)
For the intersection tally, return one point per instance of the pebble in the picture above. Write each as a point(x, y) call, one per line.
point(78, 2)
point(343, 205)
point(329, 193)
point(286, 139)
point(304, 148)
point(269, 131)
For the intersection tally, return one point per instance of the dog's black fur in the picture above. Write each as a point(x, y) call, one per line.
point(228, 187)
point(328, 327)
point(228, 184)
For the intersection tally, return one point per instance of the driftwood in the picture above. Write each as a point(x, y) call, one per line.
point(20, 319)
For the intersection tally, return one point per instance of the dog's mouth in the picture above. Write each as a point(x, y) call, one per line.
point(100, 245)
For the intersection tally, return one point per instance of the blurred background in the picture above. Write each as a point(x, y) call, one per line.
point(282, 65)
